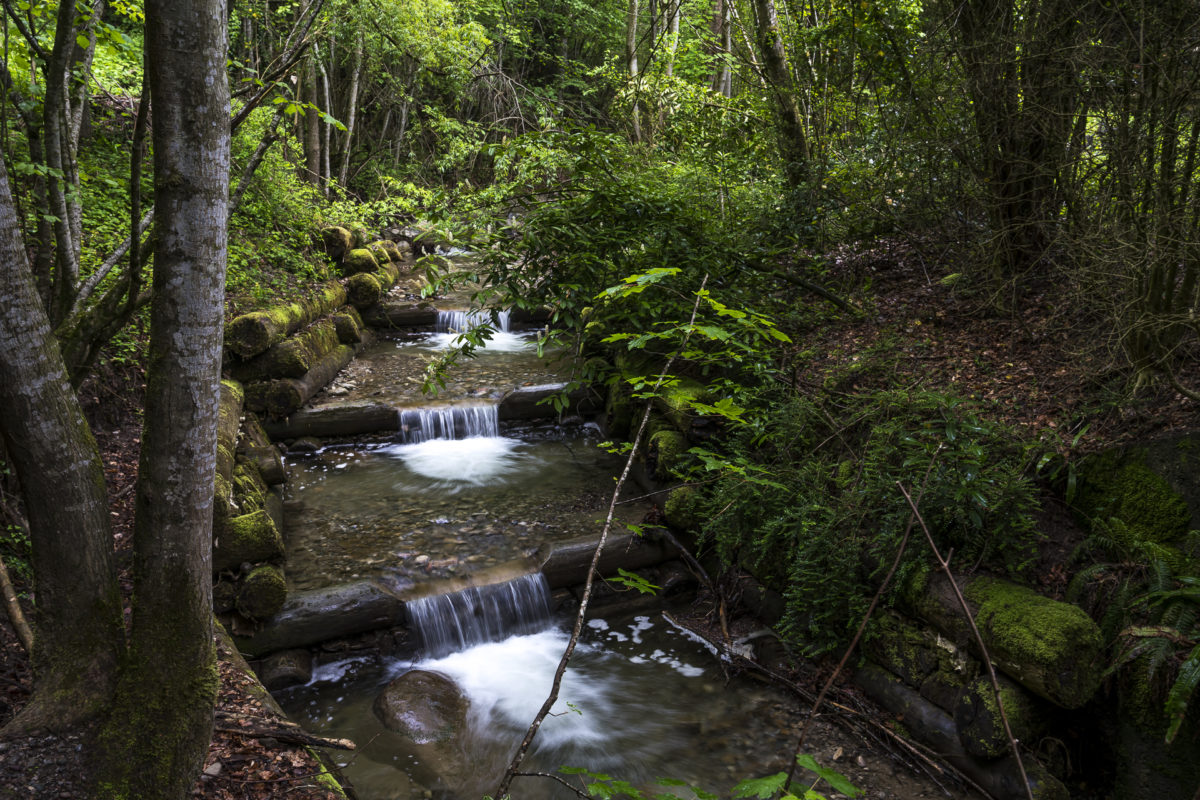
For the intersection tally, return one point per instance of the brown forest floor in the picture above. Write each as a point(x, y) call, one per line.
point(1045, 368)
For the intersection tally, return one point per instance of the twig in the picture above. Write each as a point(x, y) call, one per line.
point(887, 579)
point(15, 615)
point(260, 727)
point(574, 789)
point(519, 756)
point(987, 659)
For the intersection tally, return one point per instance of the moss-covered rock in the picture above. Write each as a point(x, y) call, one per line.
point(359, 260)
point(224, 596)
point(681, 507)
point(363, 290)
point(675, 402)
point(262, 593)
point(336, 241)
point(250, 538)
point(1123, 484)
point(664, 451)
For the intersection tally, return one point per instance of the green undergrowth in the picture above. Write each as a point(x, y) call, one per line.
point(816, 509)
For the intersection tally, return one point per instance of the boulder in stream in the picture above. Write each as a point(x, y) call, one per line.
point(424, 706)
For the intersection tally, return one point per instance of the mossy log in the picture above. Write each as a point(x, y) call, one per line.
point(393, 250)
point(365, 289)
point(249, 487)
point(566, 563)
point(251, 334)
point(249, 538)
point(401, 315)
point(664, 451)
point(336, 241)
point(319, 615)
point(1000, 778)
point(349, 325)
point(269, 463)
point(980, 726)
point(285, 396)
point(1053, 649)
point(292, 357)
point(335, 422)
point(262, 593)
point(532, 402)
point(935, 667)
point(228, 421)
point(357, 261)
point(253, 434)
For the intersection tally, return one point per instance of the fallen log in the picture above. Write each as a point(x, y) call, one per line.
point(291, 358)
point(534, 402)
point(401, 315)
point(365, 289)
point(331, 422)
point(285, 396)
point(932, 726)
point(1053, 649)
point(251, 334)
point(566, 564)
point(318, 615)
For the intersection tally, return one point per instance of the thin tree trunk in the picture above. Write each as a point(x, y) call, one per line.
point(159, 733)
point(674, 11)
point(269, 138)
point(631, 60)
point(312, 130)
point(325, 130)
point(351, 110)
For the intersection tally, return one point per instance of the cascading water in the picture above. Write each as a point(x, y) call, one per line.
point(449, 422)
point(480, 614)
point(457, 446)
point(459, 321)
point(502, 338)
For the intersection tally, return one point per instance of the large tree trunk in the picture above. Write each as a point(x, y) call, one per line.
point(162, 724)
point(78, 612)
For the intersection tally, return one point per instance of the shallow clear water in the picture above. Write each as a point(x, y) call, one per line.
point(640, 701)
point(392, 368)
point(443, 507)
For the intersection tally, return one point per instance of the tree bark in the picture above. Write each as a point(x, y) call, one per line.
point(631, 60)
point(158, 736)
point(793, 146)
point(78, 613)
point(351, 110)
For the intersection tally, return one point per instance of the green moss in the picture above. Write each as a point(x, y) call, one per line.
point(1120, 484)
point(680, 508)
point(348, 325)
point(363, 290)
point(1056, 645)
point(665, 449)
point(262, 593)
point(249, 537)
point(336, 240)
point(359, 260)
point(675, 402)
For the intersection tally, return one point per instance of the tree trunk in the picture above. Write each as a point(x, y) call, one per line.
point(78, 612)
point(631, 60)
point(793, 147)
point(351, 110)
point(312, 123)
point(158, 736)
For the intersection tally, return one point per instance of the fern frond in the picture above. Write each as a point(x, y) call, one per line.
point(1180, 695)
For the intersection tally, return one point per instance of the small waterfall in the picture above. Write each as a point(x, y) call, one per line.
point(459, 321)
point(449, 422)
point(451, 622)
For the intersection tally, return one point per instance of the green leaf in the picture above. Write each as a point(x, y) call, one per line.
point(760, 787)
point(834, 778)
point(1181, 693)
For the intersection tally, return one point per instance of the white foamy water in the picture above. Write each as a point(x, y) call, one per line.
point(508, 681)
point(475, 461)
point(500, 342)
